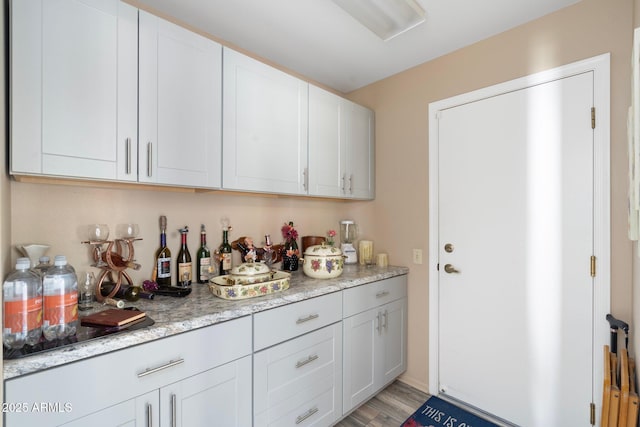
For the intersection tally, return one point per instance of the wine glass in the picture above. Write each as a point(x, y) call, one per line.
point(127, 231)
point(98, 234)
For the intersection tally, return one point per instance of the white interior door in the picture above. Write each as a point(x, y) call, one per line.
point(515, 240)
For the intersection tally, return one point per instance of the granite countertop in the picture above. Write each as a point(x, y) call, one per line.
point(201, 308)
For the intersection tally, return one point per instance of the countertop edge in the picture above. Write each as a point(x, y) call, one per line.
point(202, 313)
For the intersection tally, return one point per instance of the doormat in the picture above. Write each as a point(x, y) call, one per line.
point(436, 412)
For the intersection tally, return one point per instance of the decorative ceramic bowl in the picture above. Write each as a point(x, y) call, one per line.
point(248, 273)
point(323, 262)
point(221, 289)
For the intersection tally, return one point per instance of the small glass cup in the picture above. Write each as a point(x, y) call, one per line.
point(86, 291)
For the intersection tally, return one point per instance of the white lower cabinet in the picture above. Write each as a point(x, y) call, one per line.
point(187, 377)
point(375, 333)
point(298, 371)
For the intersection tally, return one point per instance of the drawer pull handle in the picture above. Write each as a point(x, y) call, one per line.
point(306, 361)
point(306, 319)
point(382, 294)
point(306, 415)
point(150, 371)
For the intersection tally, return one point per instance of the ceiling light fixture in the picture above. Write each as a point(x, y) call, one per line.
point(386, 18)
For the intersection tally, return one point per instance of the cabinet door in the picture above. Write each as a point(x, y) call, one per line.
point(220, 396)
point(73, 88)
point(137, 412)
point(375, 351)
point(360, 152)
point(264, 127)
point(180, 105)
point(327, 149)
point(361, 353)
point(394, 327)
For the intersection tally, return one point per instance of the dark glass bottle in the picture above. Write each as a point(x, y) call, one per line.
point(290, 255)
point(203, 258)
point(225, 253)
point(183, 261)
point(162, 268)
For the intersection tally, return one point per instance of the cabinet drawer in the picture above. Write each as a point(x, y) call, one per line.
point(124, 374)
point(283, 323)
point(320, 410)
point(300, 377)
point(365, 297)
point(283, 371)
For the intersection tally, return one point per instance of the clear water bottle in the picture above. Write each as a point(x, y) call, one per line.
point(22, 312)
point(43, 265)
point(60, 294)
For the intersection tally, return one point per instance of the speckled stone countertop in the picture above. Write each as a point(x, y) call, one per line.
point(199, 309)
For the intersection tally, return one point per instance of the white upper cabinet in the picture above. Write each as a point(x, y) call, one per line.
point(264, 127)
point(327, 143)
point(360, 171)
point(180, 105)
point(74, 88)
point(341, 147)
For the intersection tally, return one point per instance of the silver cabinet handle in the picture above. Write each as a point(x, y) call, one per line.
point(128, 156)
point(150, 371)
point(149, 159)
point(382, 294)
point(379, 324)
point(306, 319)
point(305, 179)
point(344, 182)
point(149, 415)
point(386, 321)
point(351, 184)
point(173, 411)
point(306, 361)
point(306, 415)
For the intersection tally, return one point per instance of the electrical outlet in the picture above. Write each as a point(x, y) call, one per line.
point(417, 256)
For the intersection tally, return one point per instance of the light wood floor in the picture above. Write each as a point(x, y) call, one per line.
point(389, 408)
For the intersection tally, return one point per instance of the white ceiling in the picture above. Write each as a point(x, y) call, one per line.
point(317, 39)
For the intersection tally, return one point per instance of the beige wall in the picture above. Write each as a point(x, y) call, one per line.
point(397, 220)
point(587, 29)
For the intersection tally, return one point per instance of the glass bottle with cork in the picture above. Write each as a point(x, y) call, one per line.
point(162, 268)
point(183, 261)
point(203, 258)
point(225, 251)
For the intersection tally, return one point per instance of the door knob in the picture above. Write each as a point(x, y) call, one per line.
point(448, 248)
point(450, 269)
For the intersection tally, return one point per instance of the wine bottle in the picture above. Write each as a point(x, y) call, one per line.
point(203, 258)
point(225, 252)
point(184, 261)
point(118, 261)
point(162, 268)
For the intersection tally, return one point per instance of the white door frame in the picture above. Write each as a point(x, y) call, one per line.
point(600, 65)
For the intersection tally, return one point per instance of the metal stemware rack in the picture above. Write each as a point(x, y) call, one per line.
point(112, 272)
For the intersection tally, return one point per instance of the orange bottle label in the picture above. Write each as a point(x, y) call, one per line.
point(23, 315)
point(60, 309)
